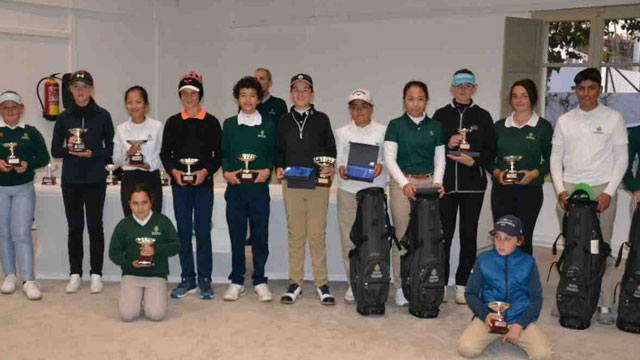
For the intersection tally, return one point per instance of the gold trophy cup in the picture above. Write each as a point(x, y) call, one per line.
point(12, 160)
point(142, 259)
point(137, 158)
point(164, 180)
point(499, 326)
point(188, 177)
point(323, 162)
point(246, 175)
point(78, 145)
point(111, 179)
point(511, 176)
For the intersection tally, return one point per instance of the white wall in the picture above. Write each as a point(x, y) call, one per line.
point(376, 44)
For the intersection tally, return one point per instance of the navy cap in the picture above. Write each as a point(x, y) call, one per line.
point(509, 225)
point(301, 77)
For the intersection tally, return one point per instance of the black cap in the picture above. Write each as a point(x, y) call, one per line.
point(509, 225)
point(82, 76)
point(301, 77)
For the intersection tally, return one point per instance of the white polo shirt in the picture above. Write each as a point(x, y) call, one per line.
point(587, 141)
point(372, 134)
point(150, 130)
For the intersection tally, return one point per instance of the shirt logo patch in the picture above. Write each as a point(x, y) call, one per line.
point(25, 136)
point(156, 231)
point(431, 132)
point(272, 112)
point(474, 127)
point(262, 134)
point(530, 136)
point(598, 130)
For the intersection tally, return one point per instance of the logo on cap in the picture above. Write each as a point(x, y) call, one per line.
point(300, 77)
point(81, 75)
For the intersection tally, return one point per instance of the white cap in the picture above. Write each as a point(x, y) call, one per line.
point(10, 96)
point(360, 94)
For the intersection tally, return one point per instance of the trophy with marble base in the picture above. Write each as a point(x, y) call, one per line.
point(246, 175)
point(323, 162)
point(12, 160)
point(512, 176)
point(50, 179)
point(111, 179)
point(188, 177)
point(499, 326)
point(78, 145)
point(137, 158)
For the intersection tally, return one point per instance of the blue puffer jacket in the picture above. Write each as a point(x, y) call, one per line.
point(513, 279)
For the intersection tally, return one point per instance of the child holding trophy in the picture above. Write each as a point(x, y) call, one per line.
point(505, 295)
point(305, 135)
point(136, 148)
point(191, 154)
point(248, 142)
point(141, 245)
point(22, 151)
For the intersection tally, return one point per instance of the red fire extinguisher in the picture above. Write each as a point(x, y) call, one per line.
point(51, 105)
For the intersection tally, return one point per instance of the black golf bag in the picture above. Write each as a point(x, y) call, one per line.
point(582, 263)
point(370, 260)
point(629, 301)
point(422, 267)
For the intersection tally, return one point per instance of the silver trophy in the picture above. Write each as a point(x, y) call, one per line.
point(511, 176)
point(142, 259)
point(464, 145)
point(12, 160)
point(78, 145)
point(323, 162)
point(111, 179)
point(137, 158)
point(50, 179)
point(500, 325)
point(246, 175)
point(164, 180)
point(188, 177)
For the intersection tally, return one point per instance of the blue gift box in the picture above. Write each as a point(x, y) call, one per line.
point(300, 177)
point(362, 160)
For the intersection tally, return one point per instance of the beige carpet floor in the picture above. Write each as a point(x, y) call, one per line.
point(85, 326)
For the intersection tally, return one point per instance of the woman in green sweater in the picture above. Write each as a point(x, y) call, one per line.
point(17, 194)
point(524, 134)
point(145, 265)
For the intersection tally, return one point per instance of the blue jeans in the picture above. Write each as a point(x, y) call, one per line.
point(250, 203)
point(193, 205)
point(17, 204)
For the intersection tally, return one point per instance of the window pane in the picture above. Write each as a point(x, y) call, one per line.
point(568, 41)
point(560, 98)
point(621, 43)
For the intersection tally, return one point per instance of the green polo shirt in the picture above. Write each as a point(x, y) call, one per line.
point(532, 143)
point(239, 139)
point(416, 143)
point(31, 148)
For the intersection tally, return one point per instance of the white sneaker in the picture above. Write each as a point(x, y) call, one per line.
point(96, 284)
point(9, 284)
point(233, 293)
point(32, 290)
point(444, 296)
point(263, 293)
point(75, 282)
point(348, 296)
point(400, 299)
point(460, 299)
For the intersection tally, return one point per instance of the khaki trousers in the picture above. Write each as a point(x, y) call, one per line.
point(347, 209)
point(134, 290)
point(607, 219)
point(400, 211)
point(476, 337)
point(306, 211)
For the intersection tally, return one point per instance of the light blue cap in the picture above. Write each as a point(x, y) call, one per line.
point(464, 78)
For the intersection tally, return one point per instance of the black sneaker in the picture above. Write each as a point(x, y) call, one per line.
point(325, 295)
point(293, 293)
